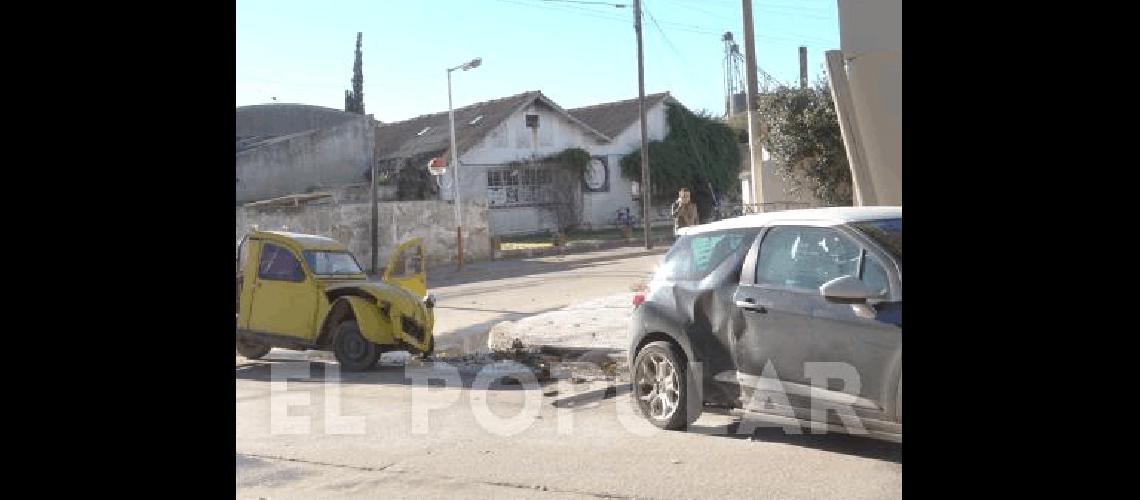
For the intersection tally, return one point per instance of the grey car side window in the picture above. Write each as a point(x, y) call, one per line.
point(805, 257)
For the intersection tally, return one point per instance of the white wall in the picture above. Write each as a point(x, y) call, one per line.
point(513, 141)
point(600, 209)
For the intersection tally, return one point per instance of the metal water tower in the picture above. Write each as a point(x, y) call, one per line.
point(733, 63)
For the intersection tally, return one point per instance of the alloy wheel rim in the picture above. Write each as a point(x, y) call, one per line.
point(658, 386)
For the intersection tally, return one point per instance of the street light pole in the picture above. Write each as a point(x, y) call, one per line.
point(455, 175)
point(474, 63)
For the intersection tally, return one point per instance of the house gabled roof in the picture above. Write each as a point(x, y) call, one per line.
point(429, 134)
point(612, 118)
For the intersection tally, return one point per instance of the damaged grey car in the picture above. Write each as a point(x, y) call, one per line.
point(794, 315)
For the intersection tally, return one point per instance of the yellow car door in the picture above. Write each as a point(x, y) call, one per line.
point(284, 298)
point(407, 268)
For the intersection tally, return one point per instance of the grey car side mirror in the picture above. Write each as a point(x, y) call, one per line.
point(847, 290)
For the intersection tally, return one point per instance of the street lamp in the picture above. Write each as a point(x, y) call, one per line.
point(472, 64)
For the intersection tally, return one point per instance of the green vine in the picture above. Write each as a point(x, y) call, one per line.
point(699, 151)
point(576, 159)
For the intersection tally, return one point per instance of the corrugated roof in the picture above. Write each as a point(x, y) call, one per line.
point(292, 200)
point(612, 118)
point(244, 143)
point(400, 139)
point(430, 133)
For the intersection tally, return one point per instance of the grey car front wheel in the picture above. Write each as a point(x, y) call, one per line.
point(659, 385)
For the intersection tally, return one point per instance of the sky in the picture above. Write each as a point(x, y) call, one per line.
point(576, 52)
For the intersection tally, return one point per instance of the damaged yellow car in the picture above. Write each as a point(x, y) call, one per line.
point(305, 292)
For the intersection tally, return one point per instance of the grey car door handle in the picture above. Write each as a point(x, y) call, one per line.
point(750, 305)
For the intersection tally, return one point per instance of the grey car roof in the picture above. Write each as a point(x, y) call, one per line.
point(825, 216)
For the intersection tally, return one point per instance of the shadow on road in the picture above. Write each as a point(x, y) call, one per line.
point(833, 442)
point(319, 373)
point(847, 444)
point(585, 398)
point(500, 269)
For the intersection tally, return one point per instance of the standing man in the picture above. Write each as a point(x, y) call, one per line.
point(684, 211)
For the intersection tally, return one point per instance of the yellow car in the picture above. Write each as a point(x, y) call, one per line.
point(302, 292)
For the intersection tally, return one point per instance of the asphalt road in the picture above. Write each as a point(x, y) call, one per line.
point(386, 433)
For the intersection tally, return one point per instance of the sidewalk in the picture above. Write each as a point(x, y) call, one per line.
point(600, 324)
point(579, 246)
point(484, 294)
point(579, 241)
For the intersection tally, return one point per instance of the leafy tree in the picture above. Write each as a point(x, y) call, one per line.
point(354, 99)
point(804, 134)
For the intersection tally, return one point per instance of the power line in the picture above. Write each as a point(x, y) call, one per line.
point(618, 5)
point(677, 26)
point(767, 76)
point(799, 38)
point(565, 8)
point(783, 10)
point(697, 9)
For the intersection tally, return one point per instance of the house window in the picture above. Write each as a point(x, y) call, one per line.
point(518, 187)
point(532, 121)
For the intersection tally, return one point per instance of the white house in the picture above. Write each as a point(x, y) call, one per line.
point(495, 139)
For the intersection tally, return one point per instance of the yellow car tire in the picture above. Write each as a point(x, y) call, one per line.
point(252, 349)
point(352, 350)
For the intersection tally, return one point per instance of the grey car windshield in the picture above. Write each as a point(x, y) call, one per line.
point(322, 262)
point(887, 232)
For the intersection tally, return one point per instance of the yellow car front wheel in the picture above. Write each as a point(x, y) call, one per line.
point(352, 350)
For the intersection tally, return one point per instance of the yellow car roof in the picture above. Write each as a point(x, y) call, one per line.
point(303, 241)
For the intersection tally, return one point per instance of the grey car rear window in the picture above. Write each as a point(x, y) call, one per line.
point(694, 257)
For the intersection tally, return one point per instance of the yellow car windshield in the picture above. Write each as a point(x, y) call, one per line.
point(325, 262)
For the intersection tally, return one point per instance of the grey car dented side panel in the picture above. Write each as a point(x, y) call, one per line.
point(698, 314)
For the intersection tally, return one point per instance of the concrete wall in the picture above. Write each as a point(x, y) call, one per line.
point(359, 193)
point(773, 186)
point(398, 221)
point(513, 141)
point(310, 160)
point(263, 120)
point(778, 189)
point(870, 33)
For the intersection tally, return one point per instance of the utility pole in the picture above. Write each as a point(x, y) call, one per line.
point(375, 220)
point(645, 191)
point(803, 68)
point(751, 100)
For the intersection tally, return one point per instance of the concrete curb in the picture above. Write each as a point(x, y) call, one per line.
point(575, 247)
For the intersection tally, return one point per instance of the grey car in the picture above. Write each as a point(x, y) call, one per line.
point(796, 315)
